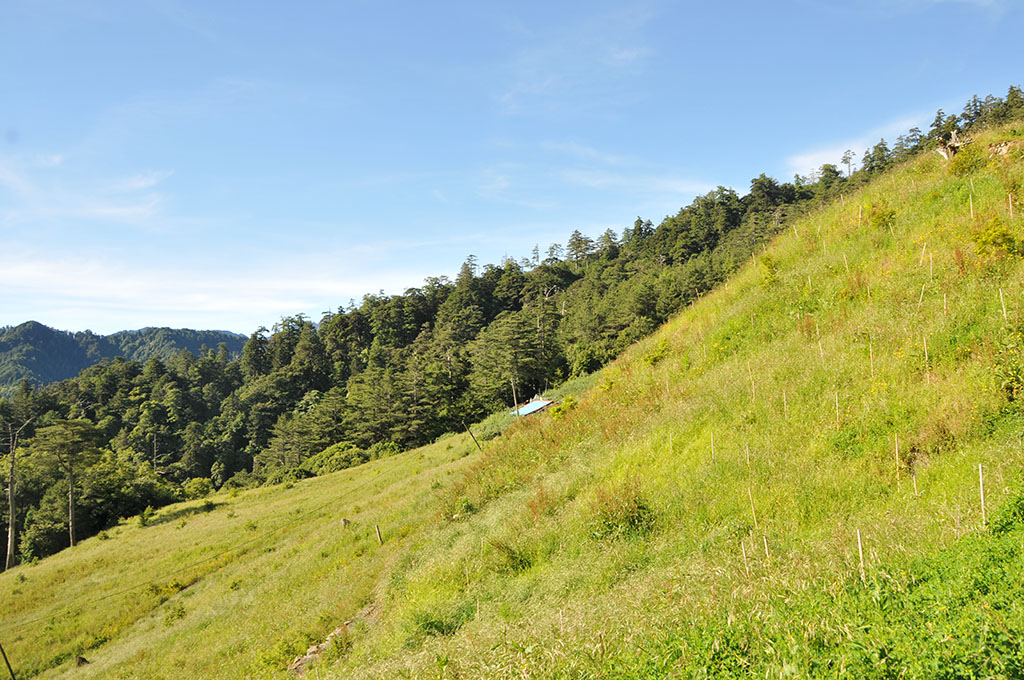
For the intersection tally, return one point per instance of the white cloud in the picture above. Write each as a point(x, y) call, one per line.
point(138, 182)
point(639, 183)
point(44, 188)
point(584, 152)
point(592, 55)
point(810, 160)
point(108, 295)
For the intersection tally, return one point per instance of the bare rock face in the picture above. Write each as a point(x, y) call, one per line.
point(312, 655)
point(1003, 148)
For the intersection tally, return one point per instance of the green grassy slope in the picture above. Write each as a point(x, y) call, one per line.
point(695, 514)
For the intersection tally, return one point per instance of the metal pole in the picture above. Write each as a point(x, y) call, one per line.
point(9, 669)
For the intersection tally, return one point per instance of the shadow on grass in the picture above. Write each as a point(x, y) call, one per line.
point(182, 513)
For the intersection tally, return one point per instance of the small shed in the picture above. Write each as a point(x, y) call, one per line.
point(535, 405)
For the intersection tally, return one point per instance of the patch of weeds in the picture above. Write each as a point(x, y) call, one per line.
point(654, 355)
point(881, 217)
point(457, 506)
point(560, 409)
point(1009, 364)
point(621, 510)
point(441, 623)
point(995, 238)
point(173, 614)
point(543, 502)
point(769, 270)
point(969, 160)
point(341, 644)
point(250, 526)
point(512, 558)
point(146, 516)
point(280, 654)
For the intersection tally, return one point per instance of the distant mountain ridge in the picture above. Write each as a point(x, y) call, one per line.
point(46, 355)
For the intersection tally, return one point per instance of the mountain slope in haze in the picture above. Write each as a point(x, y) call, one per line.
point(782, 481)
point(45, 355)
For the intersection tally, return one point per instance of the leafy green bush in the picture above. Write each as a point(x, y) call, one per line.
point(969, 160)
point(200, 487)
point(654, 355)
point(1009, 364)
point(563, 407)
point(995, 238)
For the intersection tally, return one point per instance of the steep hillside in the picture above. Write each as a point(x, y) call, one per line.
point(782, 481)
point(45, 355)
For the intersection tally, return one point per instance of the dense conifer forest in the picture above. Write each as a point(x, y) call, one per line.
point(390, 372)
point(42, 355)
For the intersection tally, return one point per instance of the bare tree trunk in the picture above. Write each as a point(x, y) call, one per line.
point(71, 504)
point(11, 516)
point(12, 447)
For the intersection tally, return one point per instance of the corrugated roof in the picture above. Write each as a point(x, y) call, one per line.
point(532, 407)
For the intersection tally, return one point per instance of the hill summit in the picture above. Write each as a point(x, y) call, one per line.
point(44, 355)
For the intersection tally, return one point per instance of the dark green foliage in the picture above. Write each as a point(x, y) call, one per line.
point(44, 355)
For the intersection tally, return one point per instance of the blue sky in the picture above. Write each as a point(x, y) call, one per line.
point(222, 164)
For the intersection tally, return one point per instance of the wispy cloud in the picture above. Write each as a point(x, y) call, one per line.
point(591, 55)
point(637, 183)
point(584, 152)
point(42, 188)
point(138, 182)
point(810, 160)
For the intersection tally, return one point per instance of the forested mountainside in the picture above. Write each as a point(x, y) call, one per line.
point(814, 470)
point(42, 355)
point(397, 371)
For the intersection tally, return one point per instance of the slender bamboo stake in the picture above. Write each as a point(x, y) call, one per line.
point(981, 489)
point(753, 512)
point(891, 231)
point(1003, 303)
point(915, 485)
point(860, 551)
point(796, 234)
point(921, 299)
point(926, 352)
point(846, 262)
point(380, 541)
point(821, 351)
point(753, 391)
point(896, 439)
point(745, 564)
point(766, 555)
point(924, 247)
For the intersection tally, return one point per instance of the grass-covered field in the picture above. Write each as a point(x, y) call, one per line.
point(696, 513)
